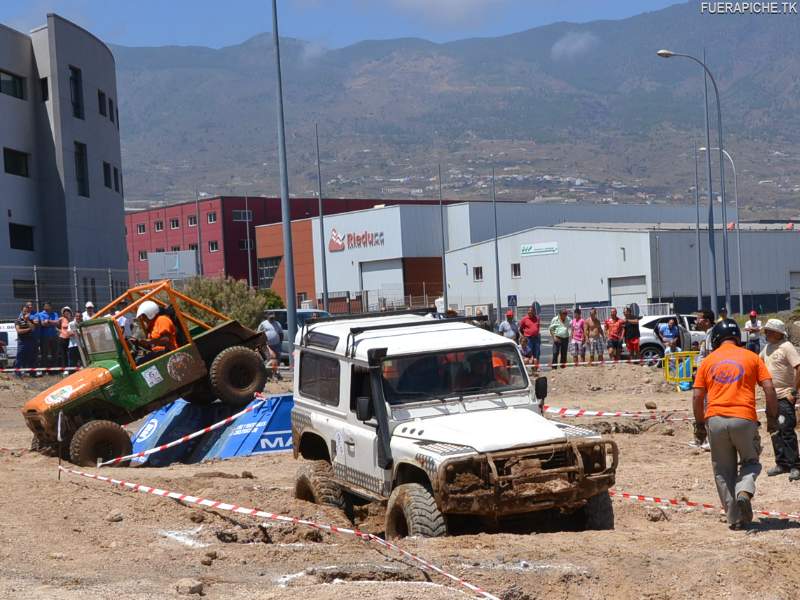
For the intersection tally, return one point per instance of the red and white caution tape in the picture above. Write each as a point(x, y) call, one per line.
point(665, 415)
point(600, 363)
point(185, 438)
point(41, 370)
point(690, 505)
point(254, 512)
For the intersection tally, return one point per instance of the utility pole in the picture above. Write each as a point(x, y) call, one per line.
point(697, 232)
point(711, 233)
point(199, 242)
point(286, 215)
point(247, 220)
point(444, 246)
point(496, 255)
point(321, 227)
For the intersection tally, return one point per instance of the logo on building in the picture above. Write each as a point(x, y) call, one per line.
point(364, 239)
point(538, 249)
point(336, 243)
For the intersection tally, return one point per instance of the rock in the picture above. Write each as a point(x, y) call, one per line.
point(57, 555)
point(650, 405)
point(197, 517)
point(655, 514)
point(647, 380)
point(206, 561)
point(668, 431)
point(226, 536)
point(248, 475)
point(595, 388)
point(516, 593)
point(114, 516)
point(188, 586)
point(212, 554)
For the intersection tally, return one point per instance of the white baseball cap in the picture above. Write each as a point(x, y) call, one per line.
point(89, 304)
point(776, 325)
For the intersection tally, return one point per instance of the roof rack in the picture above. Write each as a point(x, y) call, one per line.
point(367, 315)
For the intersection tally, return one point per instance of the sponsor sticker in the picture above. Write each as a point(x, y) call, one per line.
point(60, 395)
point(151, 376)
point(147, 430)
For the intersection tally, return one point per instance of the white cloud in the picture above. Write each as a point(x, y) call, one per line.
point(573, 45)
point(448, 12)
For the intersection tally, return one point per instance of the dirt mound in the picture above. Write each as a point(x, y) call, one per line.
point(626, 379)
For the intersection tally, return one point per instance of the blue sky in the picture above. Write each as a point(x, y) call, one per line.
point(331, 23)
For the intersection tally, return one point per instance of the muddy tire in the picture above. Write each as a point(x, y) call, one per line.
point(98, 439)
point(598, 514)
point(314, 483)
point(412, 510)
point(237, 374)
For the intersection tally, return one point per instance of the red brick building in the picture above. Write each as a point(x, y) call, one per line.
point(222, 227)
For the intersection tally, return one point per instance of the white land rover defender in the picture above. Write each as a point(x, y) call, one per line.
point(439, 417)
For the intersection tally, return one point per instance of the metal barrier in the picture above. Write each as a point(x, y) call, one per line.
point(679, 367)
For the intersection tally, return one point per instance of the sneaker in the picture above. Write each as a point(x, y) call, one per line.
point(777, 470)
point(706, 446)
point(794, 474)
point(695, 443)
point(745, 508)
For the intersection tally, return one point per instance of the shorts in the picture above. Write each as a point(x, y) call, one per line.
point(633, 345)
point(577, 348)
point(596, 347)
point(276, 349)
point(614, 344)
point(535, 346)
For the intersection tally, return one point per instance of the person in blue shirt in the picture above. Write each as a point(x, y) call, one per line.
point(668, 331)
point(48, 335)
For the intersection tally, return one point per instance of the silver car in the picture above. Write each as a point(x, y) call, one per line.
point(651, 348)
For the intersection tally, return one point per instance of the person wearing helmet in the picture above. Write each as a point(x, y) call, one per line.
point(724, 405)
point(783, 362)
point(160, 330)
point(753, 330)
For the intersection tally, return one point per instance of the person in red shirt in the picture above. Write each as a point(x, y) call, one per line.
point(529, 327)
point(724, 405)
point(615, 328)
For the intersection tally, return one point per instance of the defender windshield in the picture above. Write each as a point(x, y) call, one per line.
point(452, 374)
point(97, 339)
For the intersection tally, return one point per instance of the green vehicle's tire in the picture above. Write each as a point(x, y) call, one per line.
point(98, 440)
point(237, 374)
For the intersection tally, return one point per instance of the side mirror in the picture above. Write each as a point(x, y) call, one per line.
point(364, 410)
point(540, 388)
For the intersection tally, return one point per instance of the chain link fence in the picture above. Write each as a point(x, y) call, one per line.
point(60, 286)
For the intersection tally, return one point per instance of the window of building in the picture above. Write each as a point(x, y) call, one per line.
point(101, 102)
point(121, 186)
point(82, 169)
point(159, 249)
point(13, 85)
point(107, 174)
point(141, 228)
point(301, 297)
point(212, 217)
point(20, 237)
point(16, 162)
point(175, 223)
point(24, 289)
point(245, 244)
point(193, 247)
point(116, 179)
point(243, 215)
point(111, 109)
point(158, 226)
point(76, 92)
point(116, 112)
point(477, 273)
point(44, 89)
point(192, 220)
point(175, 249)
point(142, 255)
point(319, 378)
point(267, 268)
point(516, 270)
point(213, 246)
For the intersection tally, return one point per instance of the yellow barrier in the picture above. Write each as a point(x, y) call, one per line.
point(679, 367)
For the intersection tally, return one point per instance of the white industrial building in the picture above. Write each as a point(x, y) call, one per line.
point(600, 264)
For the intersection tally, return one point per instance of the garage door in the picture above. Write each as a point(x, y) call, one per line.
point(794, 289)
point(626, 290)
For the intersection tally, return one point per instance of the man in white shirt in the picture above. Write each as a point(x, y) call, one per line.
point(753, 330)
point(89, 312)
point(124, 321)
point(274, 332)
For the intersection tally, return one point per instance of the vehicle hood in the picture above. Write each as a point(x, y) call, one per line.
point(486, 430)
point(76, 385)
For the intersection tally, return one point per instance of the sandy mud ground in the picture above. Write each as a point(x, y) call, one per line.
point(79, 539)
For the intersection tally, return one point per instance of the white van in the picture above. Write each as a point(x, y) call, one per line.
point(8, 335)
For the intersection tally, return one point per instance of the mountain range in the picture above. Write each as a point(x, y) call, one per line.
point(589, 102)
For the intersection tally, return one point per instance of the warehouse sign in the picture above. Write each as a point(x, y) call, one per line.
point(539, 249)
point(362, 239)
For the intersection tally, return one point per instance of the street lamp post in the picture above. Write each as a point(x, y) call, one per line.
point(323, 259)
point(199, 252)
point(444, 249)
point(286, 215)
point(247, 221)
point(697, 234)
point(670, 54)
point(496, 254)
point(738, 229)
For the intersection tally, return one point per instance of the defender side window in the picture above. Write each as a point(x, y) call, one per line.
point(319, 378)
point(359, 385)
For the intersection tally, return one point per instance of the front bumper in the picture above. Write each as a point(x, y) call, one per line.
point(512, 482)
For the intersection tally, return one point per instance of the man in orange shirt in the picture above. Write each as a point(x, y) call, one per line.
point(725, 403)
point(161, 332)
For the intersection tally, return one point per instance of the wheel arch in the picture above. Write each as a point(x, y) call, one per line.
point(406, 472)
point(312, 446)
